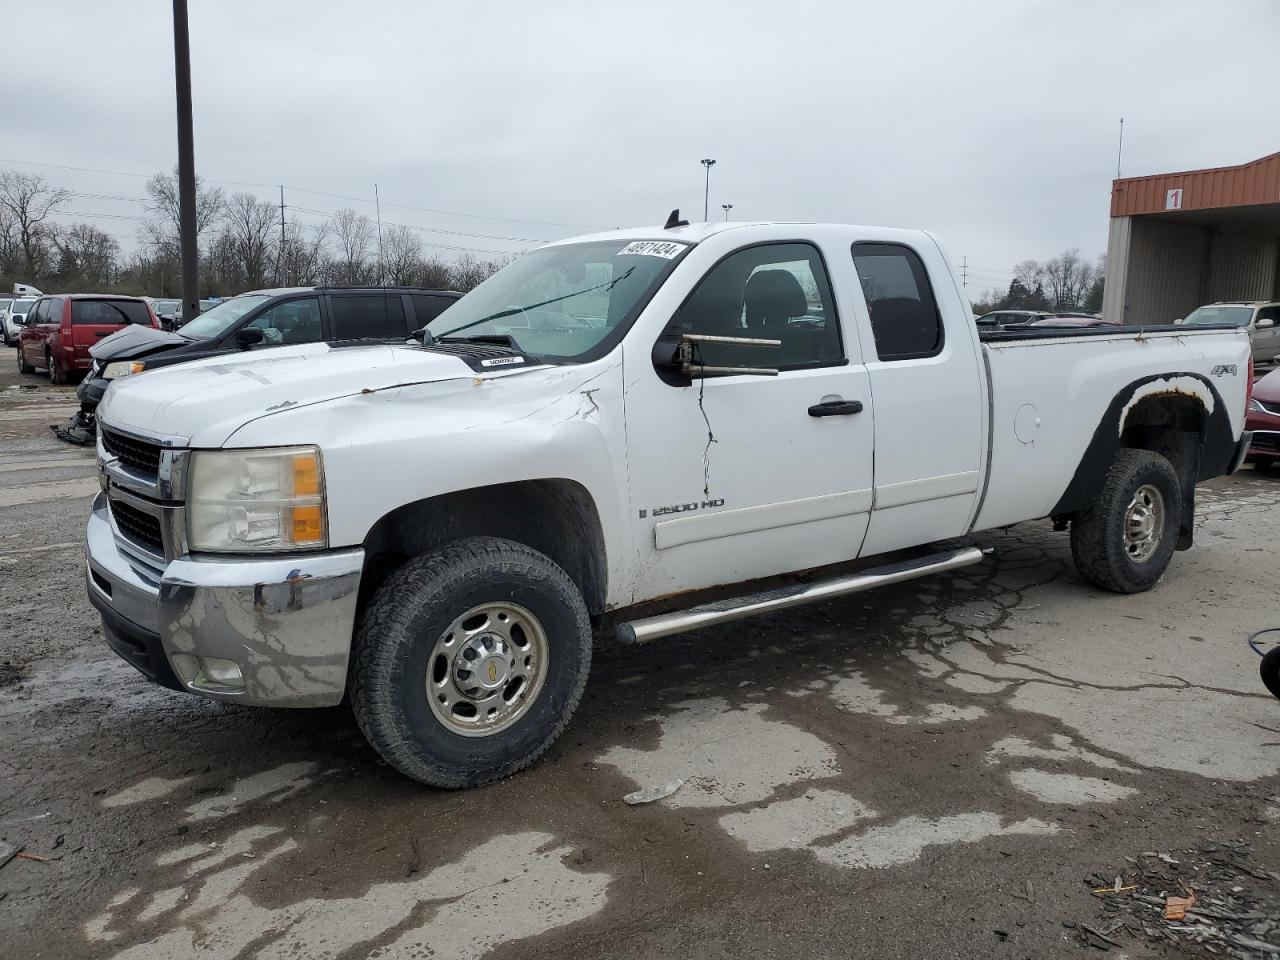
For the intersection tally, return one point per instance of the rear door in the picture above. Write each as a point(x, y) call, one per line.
point(92, 319)
point(929, 404)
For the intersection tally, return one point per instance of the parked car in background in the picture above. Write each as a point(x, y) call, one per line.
point(1260, 317)
point(167, 312)
point(59, 331)
point(13, 318)
point(265, 318)
point(1074, 320)
point(1010, 318)
point(1263, 419)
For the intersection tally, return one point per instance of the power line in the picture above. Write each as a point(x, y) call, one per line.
point(318, 193)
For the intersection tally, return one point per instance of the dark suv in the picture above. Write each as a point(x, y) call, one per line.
point(260, 320)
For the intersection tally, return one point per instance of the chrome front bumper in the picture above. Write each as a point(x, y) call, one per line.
point(264, 631)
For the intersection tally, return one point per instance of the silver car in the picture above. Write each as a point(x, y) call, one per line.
point(1261, 318)
point(12, 312)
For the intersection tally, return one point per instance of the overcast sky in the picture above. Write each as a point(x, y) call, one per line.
point(992, 122)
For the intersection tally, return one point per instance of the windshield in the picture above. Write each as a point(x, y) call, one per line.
point(218, 320)
point(20, 307)
point(562, 303)
point(1235, 316)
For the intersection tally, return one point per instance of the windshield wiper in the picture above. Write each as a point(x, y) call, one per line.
point(510, 311)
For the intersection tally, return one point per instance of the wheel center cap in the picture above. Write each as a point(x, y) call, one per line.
point(490, 666)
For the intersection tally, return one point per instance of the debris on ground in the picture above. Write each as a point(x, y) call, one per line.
point(651, 794)
point(7, 852)
point(1214, 897)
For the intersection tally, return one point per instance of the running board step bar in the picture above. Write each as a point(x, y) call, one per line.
point(769, 601)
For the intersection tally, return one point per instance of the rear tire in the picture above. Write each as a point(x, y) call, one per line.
point(411, 649)
point(56, 376)
point(1270, 671)
point(23, 366)
point(1124, 541)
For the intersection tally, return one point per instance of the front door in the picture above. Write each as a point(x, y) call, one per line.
point(747, 475)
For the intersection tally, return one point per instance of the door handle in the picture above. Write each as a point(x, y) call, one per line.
point(835, 408)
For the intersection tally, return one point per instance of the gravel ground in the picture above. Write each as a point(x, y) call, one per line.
point(947, 768)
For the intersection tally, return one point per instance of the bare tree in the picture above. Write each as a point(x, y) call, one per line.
point(432, 274)
point(163, 204)
point(402, 256)
point(302, 257)
point(353, 233)
point(29, 200)
point(468, 271)
point(1069, 278)
point(86, 256)
point(247, 241)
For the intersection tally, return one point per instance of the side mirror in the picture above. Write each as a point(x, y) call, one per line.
point(248, 337)
point(677, 357)
point(1263, 323)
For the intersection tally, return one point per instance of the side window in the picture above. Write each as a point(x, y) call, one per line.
point(377, 315)
point(904, 316)
point(1269, 313)
point(428, 307)
point(294, 321)
point(775, 291)
point(41, 313)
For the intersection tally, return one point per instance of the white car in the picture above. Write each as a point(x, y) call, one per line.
point(12, 313)
point(598, 434)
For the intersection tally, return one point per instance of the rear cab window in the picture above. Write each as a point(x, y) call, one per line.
point(905, 320)
point(110, 312)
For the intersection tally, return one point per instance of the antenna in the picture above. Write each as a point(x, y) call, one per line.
point(377, 206)
point(1120, 150)
point(674, 220)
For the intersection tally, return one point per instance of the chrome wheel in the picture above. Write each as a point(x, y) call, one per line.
point(1144, 523)
point(486, 669)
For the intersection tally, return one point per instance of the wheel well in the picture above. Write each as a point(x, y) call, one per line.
point(1173, 425)
point(556, 517)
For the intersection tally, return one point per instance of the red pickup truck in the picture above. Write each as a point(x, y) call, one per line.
point(58, 331)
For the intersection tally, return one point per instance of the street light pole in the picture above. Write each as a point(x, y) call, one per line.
point(186, 163)
point(726, 207)
point(706, 196)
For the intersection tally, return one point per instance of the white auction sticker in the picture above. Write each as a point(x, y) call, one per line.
point(652, 248)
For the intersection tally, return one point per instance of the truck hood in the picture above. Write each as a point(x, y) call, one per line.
point(134, 341)
point(204, 402)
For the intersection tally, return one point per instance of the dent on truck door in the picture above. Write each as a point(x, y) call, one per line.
point(929, 404)
point(743, 476)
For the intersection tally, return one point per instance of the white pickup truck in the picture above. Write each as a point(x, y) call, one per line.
point(598, 433)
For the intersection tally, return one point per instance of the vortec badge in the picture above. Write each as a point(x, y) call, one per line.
point(501, 361)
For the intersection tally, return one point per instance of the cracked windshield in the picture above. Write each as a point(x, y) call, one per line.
point(560, 303)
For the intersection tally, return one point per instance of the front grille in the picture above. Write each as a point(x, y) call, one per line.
point(142, 528)
point(137, 454)
point(1266, 441)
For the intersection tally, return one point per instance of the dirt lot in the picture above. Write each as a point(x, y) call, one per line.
point(944, 769)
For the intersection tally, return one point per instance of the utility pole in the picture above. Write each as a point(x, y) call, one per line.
point(726, 207)
point(964, 271)
point(186, 163)
point(1120, 150)
point(280, 278)
point(706, 196)
point(377, 206)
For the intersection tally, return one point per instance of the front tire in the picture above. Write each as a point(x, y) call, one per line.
point(1270, 670)
point(469, 662)
point(1124, 541)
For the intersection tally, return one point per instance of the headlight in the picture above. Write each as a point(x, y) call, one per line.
point(121, 368)
point(1256, 407)
point(254, 501)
